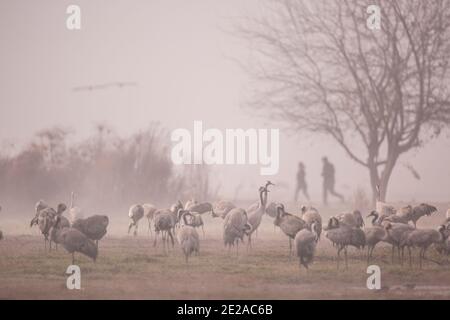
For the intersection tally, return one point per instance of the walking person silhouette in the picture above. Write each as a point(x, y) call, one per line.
point(301, 182)
point(329, 181)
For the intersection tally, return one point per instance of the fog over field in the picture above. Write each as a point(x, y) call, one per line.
point(184, 58)
point(354, 93)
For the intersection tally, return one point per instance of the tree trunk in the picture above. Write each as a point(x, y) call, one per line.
point(383, 181)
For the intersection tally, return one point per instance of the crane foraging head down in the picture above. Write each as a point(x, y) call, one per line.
point(342, 235)
point(94, 227)
point(305, 244)
point(235, 226)
point(74, 240)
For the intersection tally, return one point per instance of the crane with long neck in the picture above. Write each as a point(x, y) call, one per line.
point(255, 216)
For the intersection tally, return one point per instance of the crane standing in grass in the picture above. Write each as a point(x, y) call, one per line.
point(305, 243)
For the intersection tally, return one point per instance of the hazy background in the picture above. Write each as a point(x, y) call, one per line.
point(182, 57)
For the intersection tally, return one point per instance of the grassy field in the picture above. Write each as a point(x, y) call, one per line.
point(131, 268)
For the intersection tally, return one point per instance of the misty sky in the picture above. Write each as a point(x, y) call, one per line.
point(180, 54)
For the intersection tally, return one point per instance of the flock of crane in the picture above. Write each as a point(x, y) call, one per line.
point(396, 227)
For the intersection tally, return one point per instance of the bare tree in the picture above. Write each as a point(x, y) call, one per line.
point(377, 93)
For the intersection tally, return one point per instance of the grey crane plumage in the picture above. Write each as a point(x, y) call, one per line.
point(45, 219)
point(305, 244)
point(221, 208)
point(200, 208)
point(254, 206)
point(443, 248)
point(374, 234)
point(235, 226)
point(396, 218)
point(271, 209)
point(40, 205)
point(395, 235)
point(94, 227)
point(149, 213)
point(135, 214)
point(187, 236)
point(255, 214)
point(417, 212)
point(342, 235)
point(74, 240)
point(423, 239)
point(164, 223)
point(196, 221)
point(191, 202)
point(289, 224)
point(312, 216)
point(352, 219)
point(56, 227)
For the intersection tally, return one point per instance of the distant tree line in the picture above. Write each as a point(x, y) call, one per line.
point(106, 171)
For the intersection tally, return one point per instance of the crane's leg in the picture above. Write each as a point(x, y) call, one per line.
point(73, 257)
point(393, 251)
point(290, 247)
point(420, 258)
point(171, 238)
point(163, 235)
point(339, 255)
point(346, 260)
point(135, 229)
point(129, 226)
point(424, 252)
point(368, 255)
point(203, 231)
point(156, 238)
point(410, 256)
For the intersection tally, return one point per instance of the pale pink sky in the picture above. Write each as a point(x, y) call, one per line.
point(179, 54)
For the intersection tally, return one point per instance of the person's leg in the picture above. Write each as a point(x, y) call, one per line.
point(305, 191)
point(324, 193)
point(334, 193)
point(297, 189)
